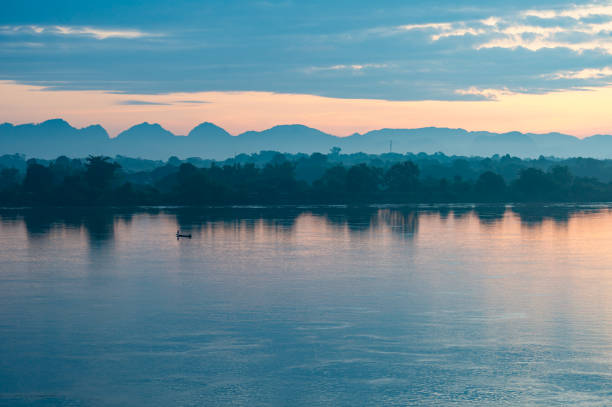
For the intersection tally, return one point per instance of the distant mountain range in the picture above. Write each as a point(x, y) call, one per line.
point(56, 137)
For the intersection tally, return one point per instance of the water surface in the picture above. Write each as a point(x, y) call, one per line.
point(449, 305)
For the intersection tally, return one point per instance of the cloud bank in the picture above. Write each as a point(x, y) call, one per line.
point(97, 33)
point(388, 50)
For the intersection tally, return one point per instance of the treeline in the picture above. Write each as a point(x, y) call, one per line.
point(100, 181)
point(309, 167)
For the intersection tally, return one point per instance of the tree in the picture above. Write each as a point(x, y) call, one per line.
point(331, 187)
point(311, 168)
point(562, 176)
point(192, 185)
point(38, 178)
point(9, 178)
point(490, 187)
point(402, 180)
point(277, 181)
point(363, 182)
point(533, 185)
point(99, 172)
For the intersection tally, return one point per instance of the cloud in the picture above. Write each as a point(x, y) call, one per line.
point(392, 53)
point(444, 29)
point(487, 94)
point(537, 43)
point(101, 34)
point(589, 73)
point(140, 103)
point(97, 33)
point(196, 102)
point(24, 44)
point(342, 67)
point(458, 32)
point(576, 12)
point(491, 21)
point(434, 26)
point(540, 13)
point(574, 28)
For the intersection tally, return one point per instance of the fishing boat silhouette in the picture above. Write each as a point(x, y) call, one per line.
point(179, 235)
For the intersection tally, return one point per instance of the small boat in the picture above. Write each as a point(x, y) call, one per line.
point(179, 235)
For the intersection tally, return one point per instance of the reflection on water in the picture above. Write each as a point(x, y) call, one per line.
point(303, 306)
point(99, 224)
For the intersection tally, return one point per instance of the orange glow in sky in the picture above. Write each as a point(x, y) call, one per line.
point(579, 113)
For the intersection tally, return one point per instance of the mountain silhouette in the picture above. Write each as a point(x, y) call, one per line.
point(211, 140)
point(209, 131)
point(287, 138)
point(145, 140)
point(56, 137)
point(53, 138)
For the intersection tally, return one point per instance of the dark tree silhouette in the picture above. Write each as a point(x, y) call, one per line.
point(191, 185)
point(490, 187)
point(363, 182)
point(38, 183)
point(331, 187)
point(99, 172)
point(533, 185)
point(273, 178)
point(402, 181)
point(9, 178)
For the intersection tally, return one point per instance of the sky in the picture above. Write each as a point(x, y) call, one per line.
point(342, 66)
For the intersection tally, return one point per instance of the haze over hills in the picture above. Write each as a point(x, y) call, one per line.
point(56, 137)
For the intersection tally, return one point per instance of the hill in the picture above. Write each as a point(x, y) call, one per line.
point(56, 137)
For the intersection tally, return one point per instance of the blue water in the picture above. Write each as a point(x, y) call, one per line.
point(306, 306)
